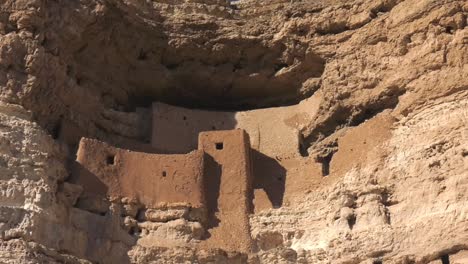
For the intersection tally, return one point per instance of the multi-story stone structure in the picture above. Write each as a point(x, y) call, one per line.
point(212, 185)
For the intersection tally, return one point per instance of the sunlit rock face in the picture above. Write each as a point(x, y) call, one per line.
point(355, 114)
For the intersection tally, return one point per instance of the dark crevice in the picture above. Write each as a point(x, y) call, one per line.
point(303, 147)
point(326, 163)
point(445, 259)
point(351, 221)
point(333, 30)
point(56, 130)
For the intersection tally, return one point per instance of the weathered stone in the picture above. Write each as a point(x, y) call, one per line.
point(356, 111)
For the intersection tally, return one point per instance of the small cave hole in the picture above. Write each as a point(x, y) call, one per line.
point(164, 173)
point(172, 66)
point(351, 221)
point(219, 146)
point(449, 30)
point(445, 259)
point(110, 160)
point(134, 231)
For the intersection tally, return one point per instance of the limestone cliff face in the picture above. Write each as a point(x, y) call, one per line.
point(381, 173)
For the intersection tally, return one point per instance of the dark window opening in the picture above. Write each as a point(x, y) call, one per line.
point(326, 164)
point(164, 173)
point(449, 30)
point(110, 160)
point(445, 259)
point(351, 221)
point(219, 146)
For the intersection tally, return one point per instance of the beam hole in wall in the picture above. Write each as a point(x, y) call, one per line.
point(164, 173)
point(219, 145)
point(110, 160)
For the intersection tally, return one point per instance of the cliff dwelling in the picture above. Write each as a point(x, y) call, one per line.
point(233, 131)
point(207, 170)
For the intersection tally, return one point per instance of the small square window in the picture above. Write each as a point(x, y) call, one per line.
point(110, 160)
point(219, 146)
point(164, 173)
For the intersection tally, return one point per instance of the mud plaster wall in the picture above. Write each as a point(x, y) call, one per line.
point(175, 129)
point(152, 179)
point(230, 221)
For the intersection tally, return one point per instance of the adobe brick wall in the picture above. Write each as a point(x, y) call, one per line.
point(176, 129)
point(231, 150)
point(152, 179)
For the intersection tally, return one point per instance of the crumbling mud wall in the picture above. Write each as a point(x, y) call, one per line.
point(150, 179)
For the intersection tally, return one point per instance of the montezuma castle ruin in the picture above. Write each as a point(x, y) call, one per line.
point(202, 171)
point(234, 132)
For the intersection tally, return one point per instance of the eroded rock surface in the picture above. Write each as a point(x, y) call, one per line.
point(380, 174)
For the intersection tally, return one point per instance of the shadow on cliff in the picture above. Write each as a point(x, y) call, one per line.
point(212, 189)
point(270, 176)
